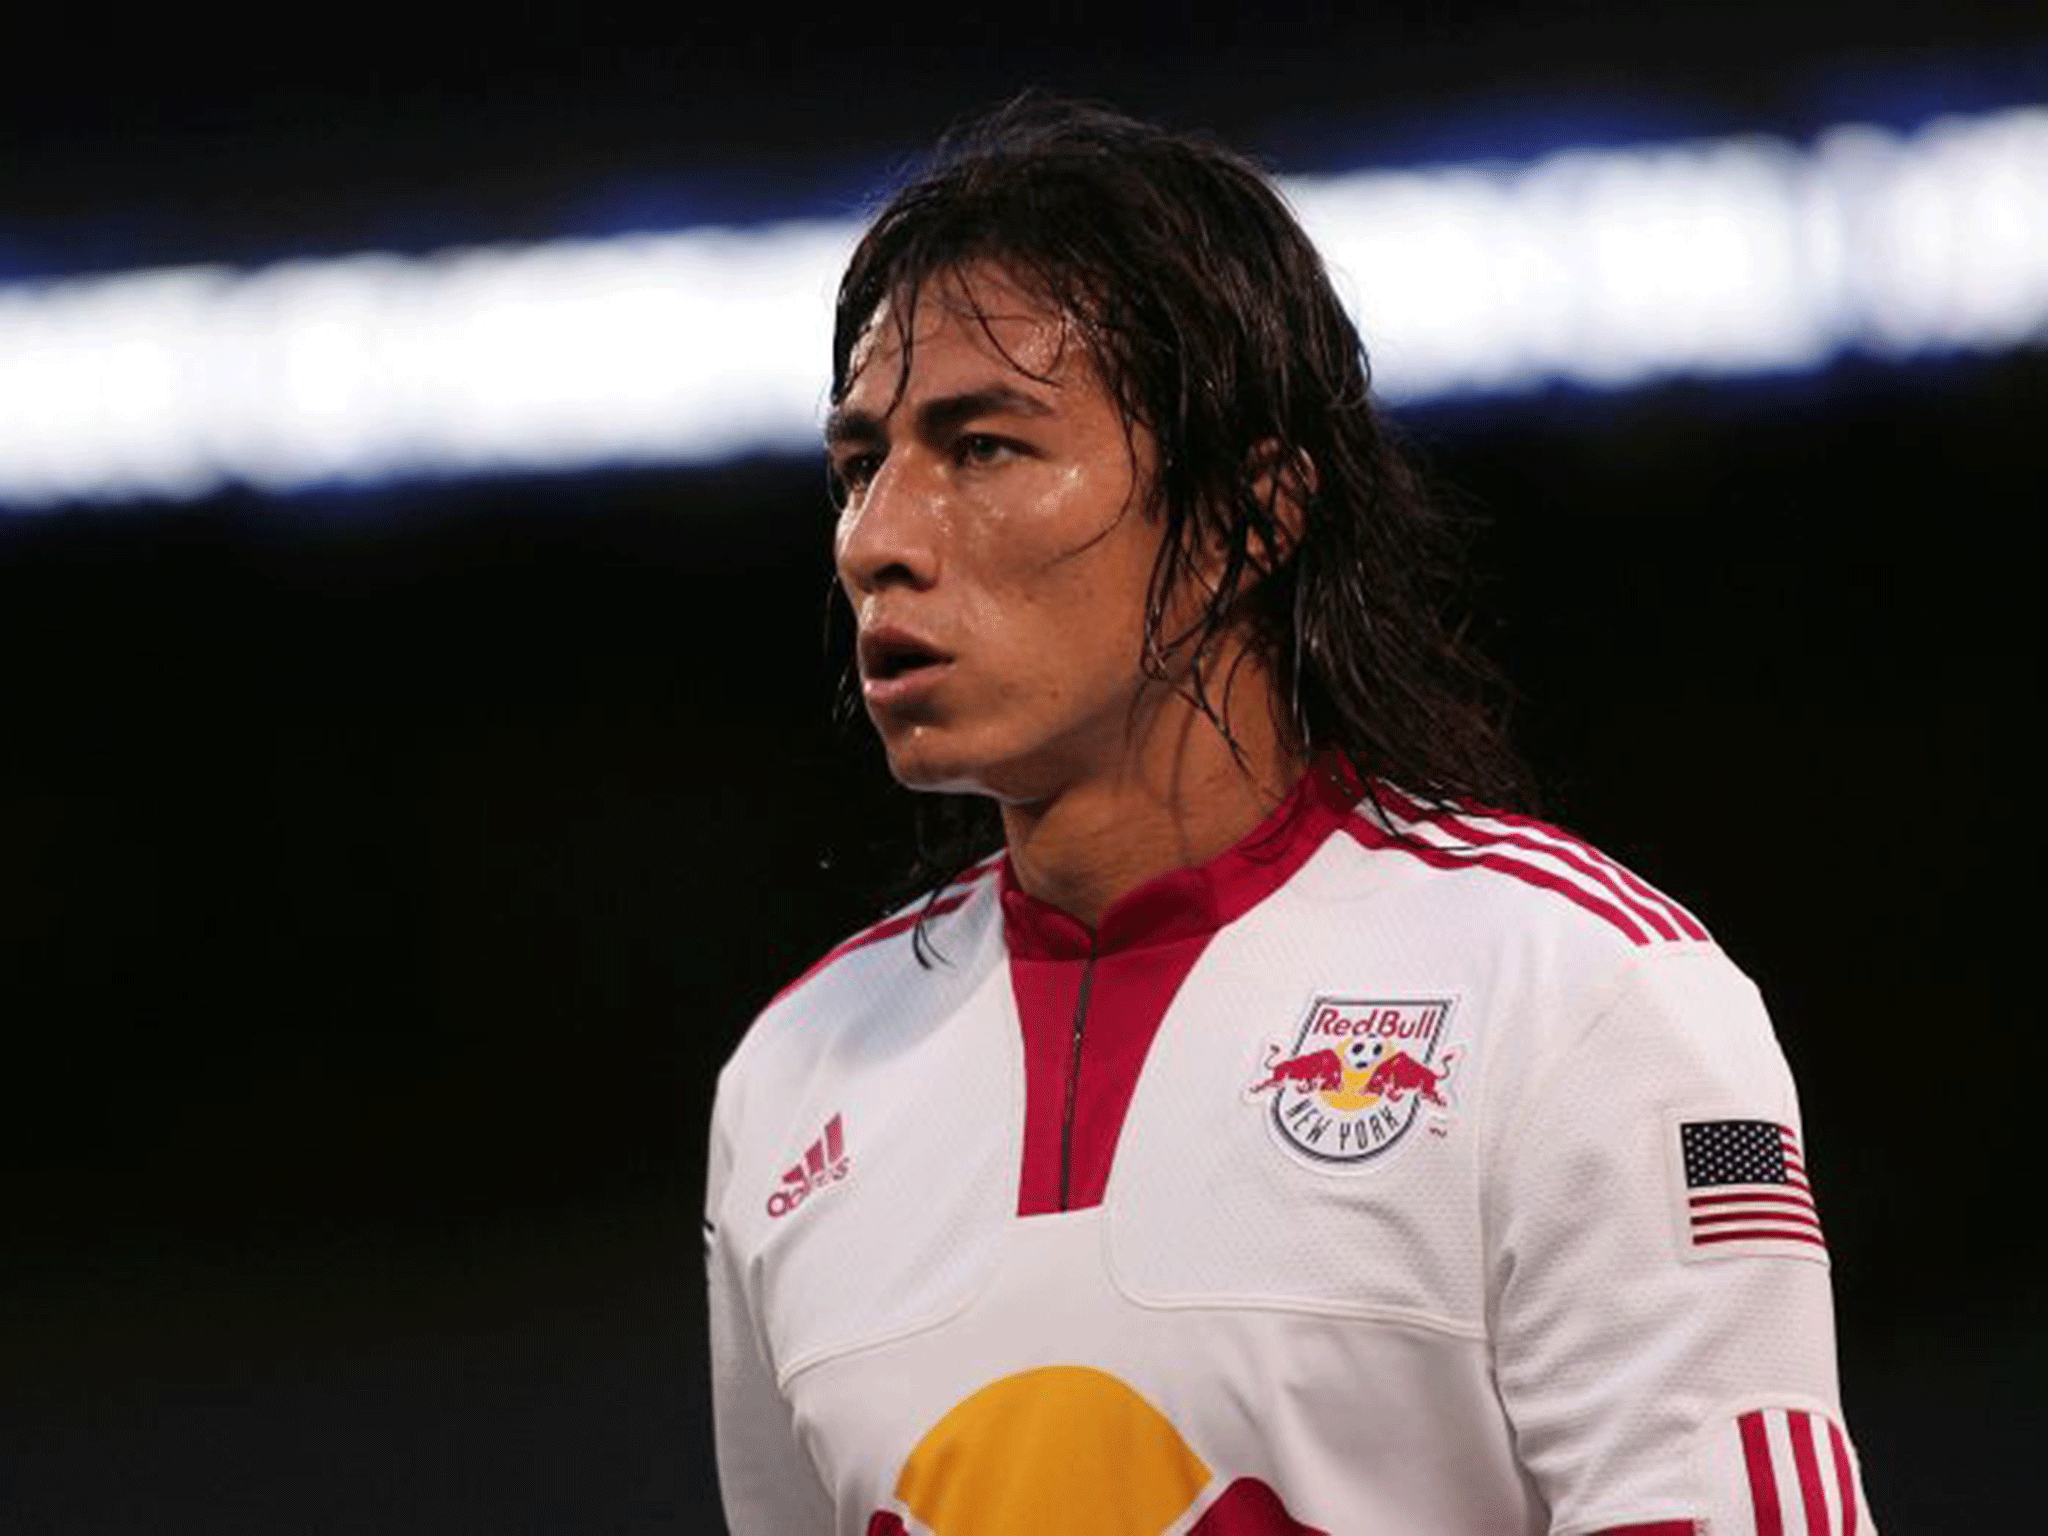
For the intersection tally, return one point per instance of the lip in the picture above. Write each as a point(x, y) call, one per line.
point(880, 647)
point(895, 692)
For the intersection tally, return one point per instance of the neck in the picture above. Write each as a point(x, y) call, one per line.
point(1178, 798)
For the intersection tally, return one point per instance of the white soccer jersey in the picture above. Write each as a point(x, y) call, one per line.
point(1397, 1172)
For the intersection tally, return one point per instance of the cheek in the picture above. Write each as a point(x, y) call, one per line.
point(1066, 639)
point(1075, 538)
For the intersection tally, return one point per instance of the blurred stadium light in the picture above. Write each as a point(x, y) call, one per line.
point(1605, 269)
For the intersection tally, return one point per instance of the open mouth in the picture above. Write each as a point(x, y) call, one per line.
point(888, 657)
point(894, 661)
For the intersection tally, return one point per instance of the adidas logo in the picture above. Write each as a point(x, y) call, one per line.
point(825, 1162)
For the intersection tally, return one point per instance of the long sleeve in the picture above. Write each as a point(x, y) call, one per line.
point(1664, 1351)
point(768, 1484)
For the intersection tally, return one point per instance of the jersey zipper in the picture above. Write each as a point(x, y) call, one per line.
point(1074, 1077)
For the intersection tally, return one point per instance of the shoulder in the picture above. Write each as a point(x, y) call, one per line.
point(1524, 870)
point(1542, 931)
point(864, 1004)
point(882, 963)
point(1599, 996)
point(890, 942)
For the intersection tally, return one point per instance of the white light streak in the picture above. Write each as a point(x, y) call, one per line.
point(1610, 268)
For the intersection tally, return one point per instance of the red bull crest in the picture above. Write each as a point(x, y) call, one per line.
point(1357, 1075)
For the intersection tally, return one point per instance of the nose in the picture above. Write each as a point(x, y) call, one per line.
point(889, 532)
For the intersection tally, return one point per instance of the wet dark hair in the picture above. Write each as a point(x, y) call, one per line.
point(1215, 329)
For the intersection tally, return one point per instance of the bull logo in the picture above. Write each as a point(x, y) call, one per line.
point(1357, 1076)
point(1323, 1070)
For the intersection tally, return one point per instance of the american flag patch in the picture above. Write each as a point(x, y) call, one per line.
point(1801, 1481)
point(1746, 1189)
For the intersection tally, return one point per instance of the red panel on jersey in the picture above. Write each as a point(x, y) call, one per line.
point(1131, 968)
point(1128, 995)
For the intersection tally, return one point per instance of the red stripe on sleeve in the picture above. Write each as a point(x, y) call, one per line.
point(1564, 851)
point(1437, 858)
point(1763, 1482)
point(1556, 841)
point(1845, 1479)
point(1804, 1458)
point(1685, 920)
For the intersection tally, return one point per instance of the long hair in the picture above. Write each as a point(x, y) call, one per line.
point(1215, 329)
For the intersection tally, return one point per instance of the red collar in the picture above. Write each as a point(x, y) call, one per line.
point(1193, 902)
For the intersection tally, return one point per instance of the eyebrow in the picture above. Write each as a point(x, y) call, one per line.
point(937, 418)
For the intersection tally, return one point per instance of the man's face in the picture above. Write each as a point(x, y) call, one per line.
point(994, 544)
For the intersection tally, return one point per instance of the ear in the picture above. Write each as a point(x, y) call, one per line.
point(1280, 485)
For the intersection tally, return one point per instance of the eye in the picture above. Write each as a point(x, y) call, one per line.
point(851, 474)
point(980, 449)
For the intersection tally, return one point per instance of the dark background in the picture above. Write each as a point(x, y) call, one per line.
point(384, 876)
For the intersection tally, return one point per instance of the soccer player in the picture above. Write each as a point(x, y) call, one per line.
point(1263, 1128)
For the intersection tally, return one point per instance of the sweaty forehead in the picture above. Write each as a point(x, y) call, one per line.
point(962, 330)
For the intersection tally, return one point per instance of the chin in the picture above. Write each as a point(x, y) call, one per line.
point(928, 773)
point(958, 768)
point(933, 761)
